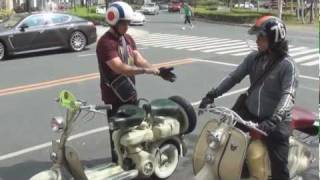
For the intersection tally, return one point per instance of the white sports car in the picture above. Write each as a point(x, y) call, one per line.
point(138, 19)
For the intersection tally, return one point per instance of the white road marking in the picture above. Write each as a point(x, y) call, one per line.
point(85, 55)
point(312, 63)
point(304, 52)
point(47, 144)
point(233, 51)
point(225, 48)
point(241, 54)
point(306, 58)
point(218, 44)
point(296, 49)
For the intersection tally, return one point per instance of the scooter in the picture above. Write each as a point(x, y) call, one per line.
point(148, 139)
point(222, 149)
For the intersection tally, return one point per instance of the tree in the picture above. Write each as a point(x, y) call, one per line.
point(280, 3)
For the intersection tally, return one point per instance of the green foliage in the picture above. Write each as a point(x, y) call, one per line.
point(237, 15)
point(89, 14)
point(5, 13)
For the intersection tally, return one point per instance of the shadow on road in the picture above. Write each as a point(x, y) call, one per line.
point(40, 54)
point(27, 169)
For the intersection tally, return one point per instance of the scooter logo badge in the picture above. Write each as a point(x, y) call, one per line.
point(233, 146)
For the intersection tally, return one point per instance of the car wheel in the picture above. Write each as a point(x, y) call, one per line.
point(2, 51)
point(78, 41)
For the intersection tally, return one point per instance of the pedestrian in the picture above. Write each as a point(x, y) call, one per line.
point(271, 96)
point(119, 61)
point(187, 10)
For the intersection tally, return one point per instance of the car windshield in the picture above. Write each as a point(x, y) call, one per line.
point(12, 21)
point(149, 5)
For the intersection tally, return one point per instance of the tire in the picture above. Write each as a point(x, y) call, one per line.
point(166, 162)
point(192, 117)
point(77, 41)
point(2, 51)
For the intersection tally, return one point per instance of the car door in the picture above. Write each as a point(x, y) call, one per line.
point(60, 29)
point(25, 35)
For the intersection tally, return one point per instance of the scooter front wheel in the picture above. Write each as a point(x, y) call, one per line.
point(166, 161)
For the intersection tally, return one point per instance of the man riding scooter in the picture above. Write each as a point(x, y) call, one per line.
point(271, 100)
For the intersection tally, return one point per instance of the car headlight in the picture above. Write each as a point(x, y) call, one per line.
point(58, 124)
point(214, 139)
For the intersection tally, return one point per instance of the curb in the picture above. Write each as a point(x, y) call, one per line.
point(222, 22)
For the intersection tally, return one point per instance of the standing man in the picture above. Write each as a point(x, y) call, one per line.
point(119, 61)
point(270, 103)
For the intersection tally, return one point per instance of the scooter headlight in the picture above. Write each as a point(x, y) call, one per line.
point(57, 124)
point(214, 139)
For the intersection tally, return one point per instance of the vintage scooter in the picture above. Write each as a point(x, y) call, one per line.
point(222, 149)
point(148, 140)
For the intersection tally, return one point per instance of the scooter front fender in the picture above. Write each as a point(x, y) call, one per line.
point(205, 173)
point(47, 175)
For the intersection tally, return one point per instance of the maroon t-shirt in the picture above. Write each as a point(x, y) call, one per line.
point(109, 47)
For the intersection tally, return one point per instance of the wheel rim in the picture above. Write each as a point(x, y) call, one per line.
point(166, 161)
point(1, 51)
point(78, 41)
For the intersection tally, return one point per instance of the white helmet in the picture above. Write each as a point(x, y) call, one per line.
point(118, 11)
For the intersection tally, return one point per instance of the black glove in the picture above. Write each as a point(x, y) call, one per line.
point(167, 74)
point(269, 125)
point(208, 99)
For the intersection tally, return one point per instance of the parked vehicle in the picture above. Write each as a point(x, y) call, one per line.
point(138, 19)
point(174, 6)
point(101, 9)
point(163, 5)
point(245, 5)
point(32, 32)
point(222, 147)
point(150, 8)
point(148, 139)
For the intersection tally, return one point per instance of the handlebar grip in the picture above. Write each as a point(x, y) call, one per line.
point(102, 107)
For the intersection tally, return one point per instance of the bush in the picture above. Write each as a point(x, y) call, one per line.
point(236, 15)
point(4, 13)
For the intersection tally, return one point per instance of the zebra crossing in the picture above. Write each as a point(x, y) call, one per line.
point(304, 56)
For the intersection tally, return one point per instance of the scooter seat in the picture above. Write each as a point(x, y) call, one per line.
point(164, 107)
point(127, 116)
point(304, 121)
point(301, 118)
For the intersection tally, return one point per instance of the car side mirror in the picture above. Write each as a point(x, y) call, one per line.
point(23, 27)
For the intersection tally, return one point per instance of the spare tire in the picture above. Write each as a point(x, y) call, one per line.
point(192, 117)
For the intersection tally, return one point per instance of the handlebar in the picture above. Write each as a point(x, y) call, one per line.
point(220, 110)
point(96, 108)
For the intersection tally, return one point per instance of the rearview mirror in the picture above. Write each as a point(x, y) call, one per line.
point(23, 27)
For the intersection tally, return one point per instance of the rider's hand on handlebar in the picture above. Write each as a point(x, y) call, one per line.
point(208, 99)
point(268, 126)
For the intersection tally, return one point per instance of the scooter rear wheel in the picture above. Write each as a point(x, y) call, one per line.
point(166, 162)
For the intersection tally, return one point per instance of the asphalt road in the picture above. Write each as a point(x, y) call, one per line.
point(30, 83)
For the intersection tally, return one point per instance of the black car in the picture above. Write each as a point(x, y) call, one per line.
point(31, 32)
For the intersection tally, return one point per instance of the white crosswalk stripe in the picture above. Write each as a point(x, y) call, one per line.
point(312, 63)
point(302, 55)
point(306, 58)
point(225, 48)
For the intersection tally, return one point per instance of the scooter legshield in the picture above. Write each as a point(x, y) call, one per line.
point(228, 158)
